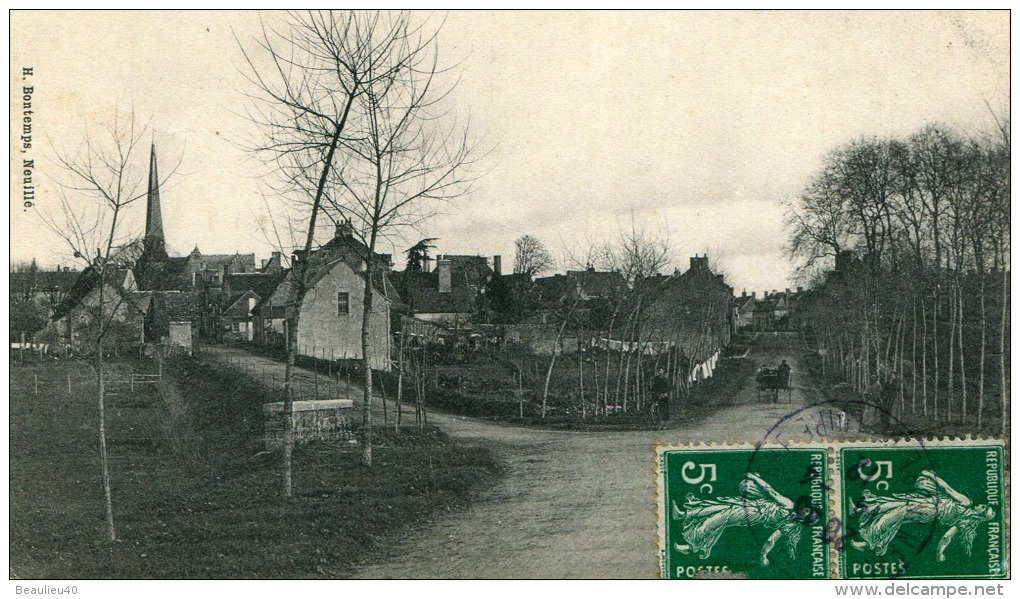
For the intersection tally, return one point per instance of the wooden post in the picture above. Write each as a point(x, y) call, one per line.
point(315, 376)
point(69, 383)
point(21, 348)
point(36, 378)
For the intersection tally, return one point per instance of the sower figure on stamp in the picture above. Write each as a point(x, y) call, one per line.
point(704, 520)
point(934, 501)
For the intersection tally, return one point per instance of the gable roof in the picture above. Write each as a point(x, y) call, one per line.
point(599, 283)
point(262, 284)
point(87, 280)
point(419, 292)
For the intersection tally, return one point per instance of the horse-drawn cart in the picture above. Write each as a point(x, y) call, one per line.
point(773, 382)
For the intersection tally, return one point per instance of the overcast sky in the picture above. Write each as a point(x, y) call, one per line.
point(696, 125)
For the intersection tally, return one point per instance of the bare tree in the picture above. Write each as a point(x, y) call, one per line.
point(344, 103)
point(531, 256)
point(406, 160)
point(103, 178)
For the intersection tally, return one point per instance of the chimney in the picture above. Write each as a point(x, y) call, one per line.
point(721, 277)
point(699, 262)
point(445, 276)
point(787, 291)
point(345, 229)
point(497, 264)
point(276, 255)
point(753, 293)
point(800, 290)
point(743, 293)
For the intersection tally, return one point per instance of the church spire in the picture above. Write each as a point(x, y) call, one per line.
point(155, 243)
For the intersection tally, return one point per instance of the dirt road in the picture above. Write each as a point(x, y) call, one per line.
point(573, 504)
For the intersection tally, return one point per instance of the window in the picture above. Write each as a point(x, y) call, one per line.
point(343, 303)
point(237, 327)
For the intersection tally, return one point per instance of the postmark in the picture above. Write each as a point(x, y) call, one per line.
point(922, 509)
point(743, 512)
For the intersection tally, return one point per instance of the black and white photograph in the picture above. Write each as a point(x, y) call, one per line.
point(378, 294)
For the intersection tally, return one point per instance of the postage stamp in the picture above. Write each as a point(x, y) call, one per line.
point(743, 512)
point(922, 509)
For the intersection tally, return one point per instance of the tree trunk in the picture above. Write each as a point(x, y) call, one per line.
point(935, 355)
point(1004, 382)
point(981, 355)
point(951, 391)
point(963, 361)
point(924, 360)
point(291, 324)
point(580, 382)
point(111, 532)
point(552, 364)
point(400, 380)
point(913, 359)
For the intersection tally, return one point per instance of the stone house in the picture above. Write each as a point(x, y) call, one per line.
point(330, 314)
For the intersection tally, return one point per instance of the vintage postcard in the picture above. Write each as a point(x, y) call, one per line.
point(509, 295)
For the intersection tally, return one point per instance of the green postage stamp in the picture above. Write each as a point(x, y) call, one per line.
point(743, 512)
point(855, 510)
point(932, 509)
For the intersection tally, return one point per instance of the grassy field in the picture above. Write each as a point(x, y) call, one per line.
point(193, 497)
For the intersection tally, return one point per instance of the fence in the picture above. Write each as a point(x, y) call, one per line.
point(326, 381)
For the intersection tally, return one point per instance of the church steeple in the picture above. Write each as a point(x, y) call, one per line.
point(155, 243)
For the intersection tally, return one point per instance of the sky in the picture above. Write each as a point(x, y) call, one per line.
point(697, 127)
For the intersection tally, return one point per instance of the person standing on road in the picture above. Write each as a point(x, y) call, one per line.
point(784, 374)
point(660, 391)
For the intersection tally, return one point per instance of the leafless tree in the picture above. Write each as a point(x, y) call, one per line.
point(102, 179)
point(408, 158)
point(343, 104)
point(531, 256)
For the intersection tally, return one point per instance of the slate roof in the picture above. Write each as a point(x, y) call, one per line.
point(261, 284)
point(419, 292)
point(177, 307)
point(170, 274)
point(84, 284)
point(599, 283)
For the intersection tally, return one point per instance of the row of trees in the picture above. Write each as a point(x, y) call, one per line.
point(919, 231)
point(647, 322)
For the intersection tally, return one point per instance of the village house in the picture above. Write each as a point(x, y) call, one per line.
point(330, 314)
point(449, 295)
point(691, 314)
point(112, 298)
point(743, 311)
point(183, 291)
point(240, 294)
point(776, 310)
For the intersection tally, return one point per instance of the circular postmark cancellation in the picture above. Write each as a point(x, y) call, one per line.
point(904, 507)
